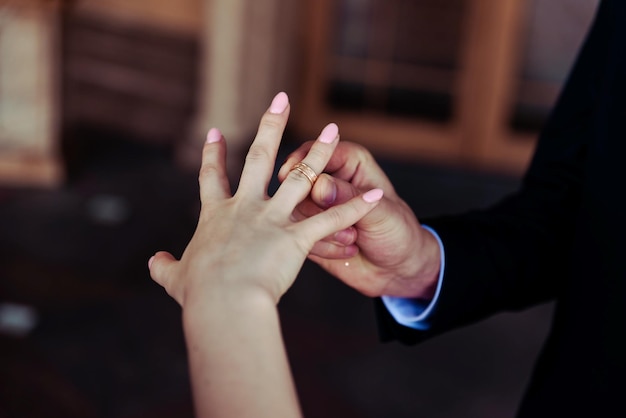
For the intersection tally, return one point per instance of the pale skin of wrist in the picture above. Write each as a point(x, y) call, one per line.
point(242, 320)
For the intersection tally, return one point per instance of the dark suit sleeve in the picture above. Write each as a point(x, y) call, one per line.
point(515, 254)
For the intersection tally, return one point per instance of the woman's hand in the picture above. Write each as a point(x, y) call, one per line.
point(245, 253)
point(250, 241)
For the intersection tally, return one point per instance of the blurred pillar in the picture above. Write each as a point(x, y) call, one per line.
point(247, 54)
point(28, 93)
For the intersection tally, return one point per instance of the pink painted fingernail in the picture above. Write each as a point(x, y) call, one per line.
point(279, 104)
point(214, 135)
point(373, 195)
point(150, 262)
point(329, 133)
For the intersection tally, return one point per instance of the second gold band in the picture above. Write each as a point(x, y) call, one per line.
point(306, 171)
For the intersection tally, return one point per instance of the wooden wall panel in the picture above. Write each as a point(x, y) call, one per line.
point(28, 94)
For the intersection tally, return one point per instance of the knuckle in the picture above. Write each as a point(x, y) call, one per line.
point(207, 170)
point(318, 154)
point(298, 176)
point(358, 151)
point(257, 152)
point(363, 153)
point(272, 122)
point(337, 217)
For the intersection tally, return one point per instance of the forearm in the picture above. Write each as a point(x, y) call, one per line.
point(238, 363)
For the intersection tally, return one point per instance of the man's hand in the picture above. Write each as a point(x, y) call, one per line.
point(387, 252)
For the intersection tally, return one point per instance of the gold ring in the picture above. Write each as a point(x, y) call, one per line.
point(306, 171)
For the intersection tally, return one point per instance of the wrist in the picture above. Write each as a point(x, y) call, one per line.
point(431, 262)
point(420, 280)
point(227, 295)
point(222, 305)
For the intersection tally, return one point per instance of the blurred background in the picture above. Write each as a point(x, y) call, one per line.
point(104, 105)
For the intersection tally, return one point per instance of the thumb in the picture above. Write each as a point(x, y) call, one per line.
point(330, 191)
point(160, 266)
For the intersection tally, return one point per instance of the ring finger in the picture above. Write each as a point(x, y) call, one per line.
point(301, 177)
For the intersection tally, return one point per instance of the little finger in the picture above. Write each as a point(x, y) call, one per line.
point(338, 217)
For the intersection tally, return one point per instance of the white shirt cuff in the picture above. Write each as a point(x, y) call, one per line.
point(415, 313)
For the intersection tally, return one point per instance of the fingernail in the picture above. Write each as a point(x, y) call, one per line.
point(279, 104)
point(373, 195)
point(329, 133)
point(214, 135)
point(150, 262)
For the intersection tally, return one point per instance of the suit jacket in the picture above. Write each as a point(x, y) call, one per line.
point(562, 236)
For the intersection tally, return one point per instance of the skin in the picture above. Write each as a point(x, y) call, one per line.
point(387, 252)
point(245, 253)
